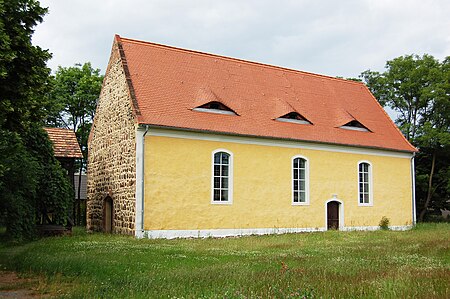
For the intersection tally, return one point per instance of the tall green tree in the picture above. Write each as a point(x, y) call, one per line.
point(31, 181)
point(418, 89)
point(434, 144)
point(18, 184)
point(407, 86)
point(24, 75)
point(73, 99)
point(74, 95)
point(54, 193)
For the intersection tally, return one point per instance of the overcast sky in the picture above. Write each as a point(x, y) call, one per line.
point(336, 38)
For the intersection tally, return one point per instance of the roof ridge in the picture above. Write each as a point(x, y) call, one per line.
point(130, 86)
point(58, 128)
point(237, 60)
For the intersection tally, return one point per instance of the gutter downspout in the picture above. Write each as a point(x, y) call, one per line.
point(140, 156)
point(142, 178)
point(413, 189)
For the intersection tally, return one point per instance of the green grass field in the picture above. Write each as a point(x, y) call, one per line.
point(381, 264)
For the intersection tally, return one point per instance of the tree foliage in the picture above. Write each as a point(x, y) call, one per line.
point(409, 87)
point(73, 99)
point(32, 182)
point(74, 95)
point(418, 89)
point(24, 75)
point(18, 184)
point(54, 193)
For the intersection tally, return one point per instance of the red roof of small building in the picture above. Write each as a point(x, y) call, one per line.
point(168, 83)
point(65, 144)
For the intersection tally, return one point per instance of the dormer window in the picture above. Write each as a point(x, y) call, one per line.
point(294, 117)
point(215, 107)
point(355, 126)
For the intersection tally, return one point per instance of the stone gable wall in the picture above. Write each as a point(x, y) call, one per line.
point(112, 153)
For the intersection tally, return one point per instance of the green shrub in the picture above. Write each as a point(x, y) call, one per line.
point(384, 223)
point(32, 183)
point(18, 183)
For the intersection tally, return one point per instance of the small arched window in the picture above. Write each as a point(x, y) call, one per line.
point(222, 176)
point(365, 192)
point(300, 181)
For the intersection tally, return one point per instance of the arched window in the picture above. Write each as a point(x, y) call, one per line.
point(365, 192)
point(300, 181)
point(222, 176)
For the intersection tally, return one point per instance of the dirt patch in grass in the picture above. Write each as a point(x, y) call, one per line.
point(12, 286)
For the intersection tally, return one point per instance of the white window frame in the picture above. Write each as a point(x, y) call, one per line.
point(370, 177)
point(230, 177)
point(306, 202)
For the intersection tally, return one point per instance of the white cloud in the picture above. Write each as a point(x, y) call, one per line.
point(328, 37)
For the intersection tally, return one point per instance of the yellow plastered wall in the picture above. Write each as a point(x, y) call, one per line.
point(178, 187)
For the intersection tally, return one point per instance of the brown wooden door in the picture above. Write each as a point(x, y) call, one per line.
point(333, 215)
point(108, 215)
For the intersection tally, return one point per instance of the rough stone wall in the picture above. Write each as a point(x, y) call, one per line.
point(112, 153)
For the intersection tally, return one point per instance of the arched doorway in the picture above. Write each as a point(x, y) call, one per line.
point(333, 214)
point(108, 215)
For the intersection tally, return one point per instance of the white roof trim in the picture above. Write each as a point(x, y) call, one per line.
point(294, 121)
point(354, 128)
point(217, 111)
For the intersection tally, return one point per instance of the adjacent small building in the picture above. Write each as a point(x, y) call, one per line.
point(66, 149)
point(190, 144)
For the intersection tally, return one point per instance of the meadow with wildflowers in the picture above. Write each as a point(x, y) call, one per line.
point(380, 264)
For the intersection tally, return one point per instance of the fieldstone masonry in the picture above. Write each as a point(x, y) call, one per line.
point(112, 152)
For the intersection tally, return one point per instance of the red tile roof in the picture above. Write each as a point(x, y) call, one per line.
point(65, 144)
point(169, 82)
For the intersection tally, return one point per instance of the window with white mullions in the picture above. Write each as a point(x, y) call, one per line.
point(222, 163)
point(300, 177)
point(365, 183)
